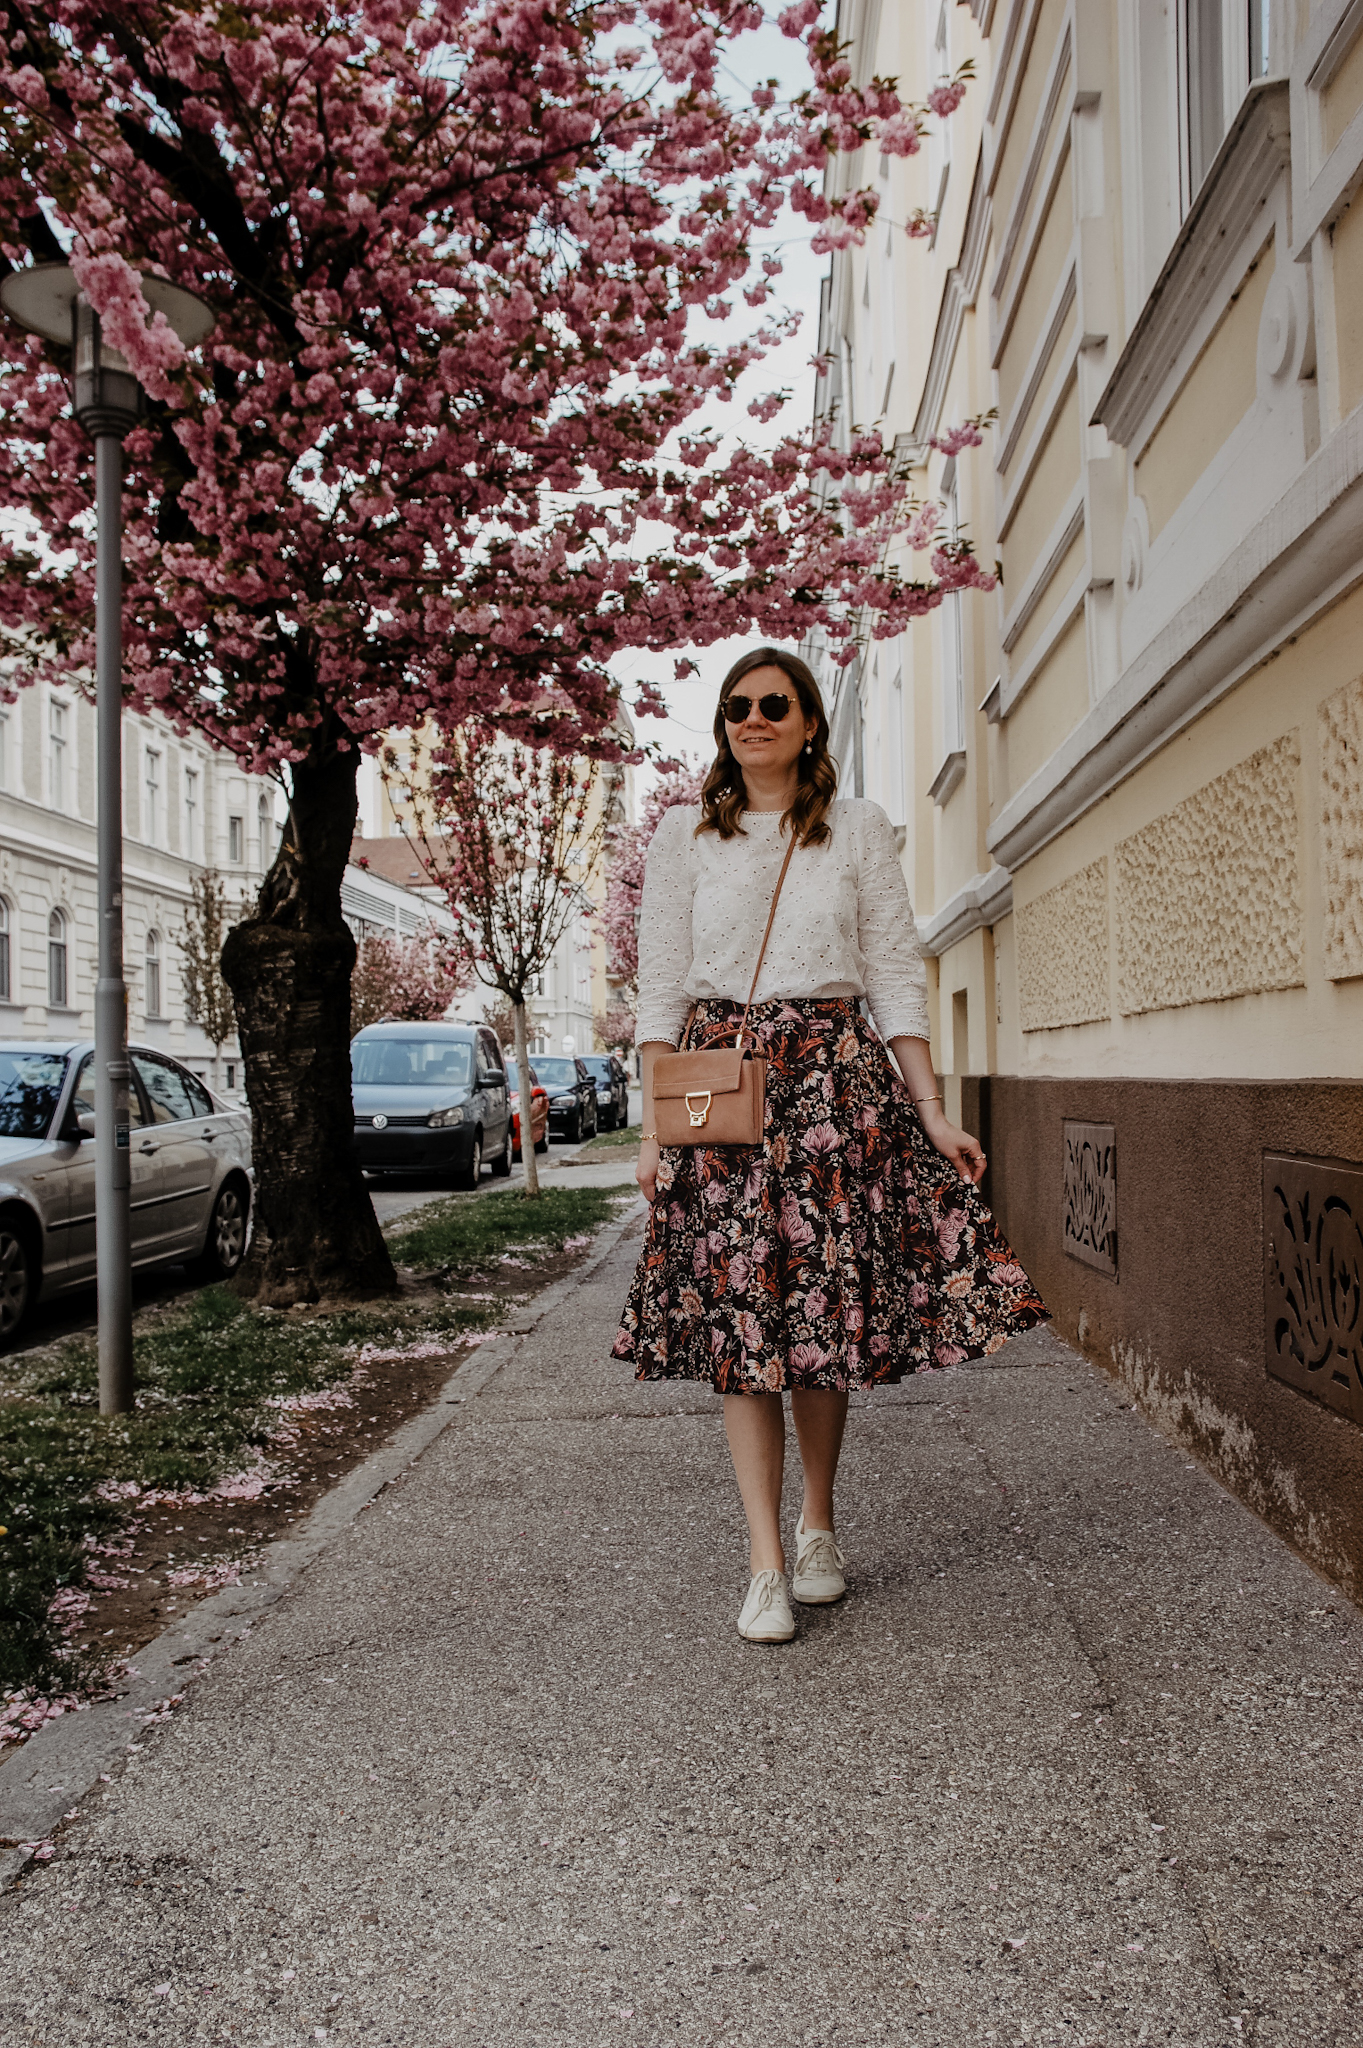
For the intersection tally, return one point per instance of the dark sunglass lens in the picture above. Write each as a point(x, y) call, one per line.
point(774, 708)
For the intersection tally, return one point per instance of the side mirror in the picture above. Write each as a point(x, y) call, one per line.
point(85, 1123)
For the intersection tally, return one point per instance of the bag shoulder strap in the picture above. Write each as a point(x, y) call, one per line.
point(762, 949)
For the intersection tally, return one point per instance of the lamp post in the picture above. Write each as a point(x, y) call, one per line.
point(108, 402)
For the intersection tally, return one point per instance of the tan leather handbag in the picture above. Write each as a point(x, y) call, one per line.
point(716, 1097)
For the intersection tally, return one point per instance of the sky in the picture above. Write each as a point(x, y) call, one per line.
point(691, 704)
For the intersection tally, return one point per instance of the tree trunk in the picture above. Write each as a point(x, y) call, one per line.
point(289, 968)
point(528, 1159)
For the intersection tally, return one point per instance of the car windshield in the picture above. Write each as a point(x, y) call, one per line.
point(513, 1075)
point(30, 1083)
point(411, 1062)
point(557, 1073)
point(600, 1068)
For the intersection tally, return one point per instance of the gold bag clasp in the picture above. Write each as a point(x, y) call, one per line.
point(698, 1116)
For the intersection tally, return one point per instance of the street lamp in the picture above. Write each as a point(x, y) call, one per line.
point(108, 402)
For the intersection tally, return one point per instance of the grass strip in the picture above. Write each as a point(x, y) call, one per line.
point(605, 1143)
point(207, 1375)
point(465, 1232)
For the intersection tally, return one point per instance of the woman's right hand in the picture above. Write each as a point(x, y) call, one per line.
point(646, 1172)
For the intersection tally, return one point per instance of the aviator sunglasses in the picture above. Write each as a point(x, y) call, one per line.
point(738, 709)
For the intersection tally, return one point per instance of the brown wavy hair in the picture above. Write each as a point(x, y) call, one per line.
point(724, 797)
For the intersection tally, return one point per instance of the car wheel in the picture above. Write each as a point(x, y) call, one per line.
point(608, 1119)
point(225, 1244)
point(18, 1281)
point(542, 1142)
point(592, 1132)
point(471, 1172)
point(501, 1165)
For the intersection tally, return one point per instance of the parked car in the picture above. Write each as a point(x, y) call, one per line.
point(189, 1154)
point(430, 1099)
point(612, 1089)
point(572, 1097)
point(539, 1109)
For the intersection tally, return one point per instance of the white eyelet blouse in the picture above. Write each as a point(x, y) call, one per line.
point(844, 925)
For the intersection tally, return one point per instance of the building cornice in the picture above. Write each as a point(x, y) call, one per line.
point(983, 901)
point(1298, 561)
point(1256, 152)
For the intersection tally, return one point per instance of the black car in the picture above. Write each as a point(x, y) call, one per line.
point(572, 1096)
point(612, 1089)
point(432, 1099)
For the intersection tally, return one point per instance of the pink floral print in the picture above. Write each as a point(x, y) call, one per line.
point(842, 1252)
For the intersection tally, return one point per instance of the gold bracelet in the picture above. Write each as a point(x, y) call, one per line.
point(927, 1098)
point(647, 1135)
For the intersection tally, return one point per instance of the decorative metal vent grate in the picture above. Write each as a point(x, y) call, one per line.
point(1089, 1224)
point(1313, 1277)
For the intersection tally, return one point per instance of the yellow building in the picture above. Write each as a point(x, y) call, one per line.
point(1131, 783)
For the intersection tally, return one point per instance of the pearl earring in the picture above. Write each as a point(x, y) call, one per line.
point(808, 747)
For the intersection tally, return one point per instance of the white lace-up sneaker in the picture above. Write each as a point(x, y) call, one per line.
point(766, 1615)
point(817, 1579)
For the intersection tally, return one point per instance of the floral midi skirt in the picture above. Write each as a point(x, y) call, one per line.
point(844, 1251)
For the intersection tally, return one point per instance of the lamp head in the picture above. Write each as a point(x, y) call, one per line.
point(108, 397)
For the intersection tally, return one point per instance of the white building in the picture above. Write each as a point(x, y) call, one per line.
point(186, 806)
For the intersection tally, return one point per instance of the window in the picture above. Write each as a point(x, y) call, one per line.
point(4, 951)
point(236, 840)
point(1260, 38)
point(4, 748)
point(152, 973)
point(152, 816)
point(56, 754)
point(192, 814)
point(231, 1074)
point(1204, 81)
point(56, 960)
point(1224, 45)
point(167, 1088)
point(264, 832)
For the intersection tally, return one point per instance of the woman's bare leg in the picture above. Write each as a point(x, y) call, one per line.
point(820, 1418)
point(756, 1428)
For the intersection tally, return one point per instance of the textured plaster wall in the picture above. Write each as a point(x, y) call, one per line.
point(1208, 896)
point(1340, 739)
point(1062, 952)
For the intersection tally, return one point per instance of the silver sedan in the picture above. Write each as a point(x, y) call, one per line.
point(191, 1172)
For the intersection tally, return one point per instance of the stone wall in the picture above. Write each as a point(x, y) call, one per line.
point(1062, 943)
point(1182, 1318)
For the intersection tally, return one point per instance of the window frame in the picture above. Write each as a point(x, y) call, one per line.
point(58, 959)
point(151, 977)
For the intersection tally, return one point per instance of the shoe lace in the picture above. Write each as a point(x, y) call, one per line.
point(819, 1553)
point(769, 1590)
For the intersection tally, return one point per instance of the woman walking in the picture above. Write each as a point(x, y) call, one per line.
point(850, 1246)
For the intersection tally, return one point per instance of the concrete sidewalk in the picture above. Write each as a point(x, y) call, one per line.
point(1076, 1761)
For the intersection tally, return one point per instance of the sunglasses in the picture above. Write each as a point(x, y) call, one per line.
point(773, 708)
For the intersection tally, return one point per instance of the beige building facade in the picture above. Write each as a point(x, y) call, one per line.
point(1130, 782)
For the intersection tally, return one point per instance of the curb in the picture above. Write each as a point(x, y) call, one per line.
point(63, 1763)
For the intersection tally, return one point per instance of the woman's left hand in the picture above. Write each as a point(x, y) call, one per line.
point(965, 1153)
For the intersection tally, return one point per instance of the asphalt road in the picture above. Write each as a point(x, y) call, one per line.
point(1077, 1761)
point(392, 1198)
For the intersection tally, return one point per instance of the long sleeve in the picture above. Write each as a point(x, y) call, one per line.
point(665, 941)
point(887, 936)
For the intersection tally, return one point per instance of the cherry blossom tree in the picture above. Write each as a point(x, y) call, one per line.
point(412, 979)
point(433, 460)
point(617, 1026)
point(626, 852)
point(208, 999)
point(512, 834)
